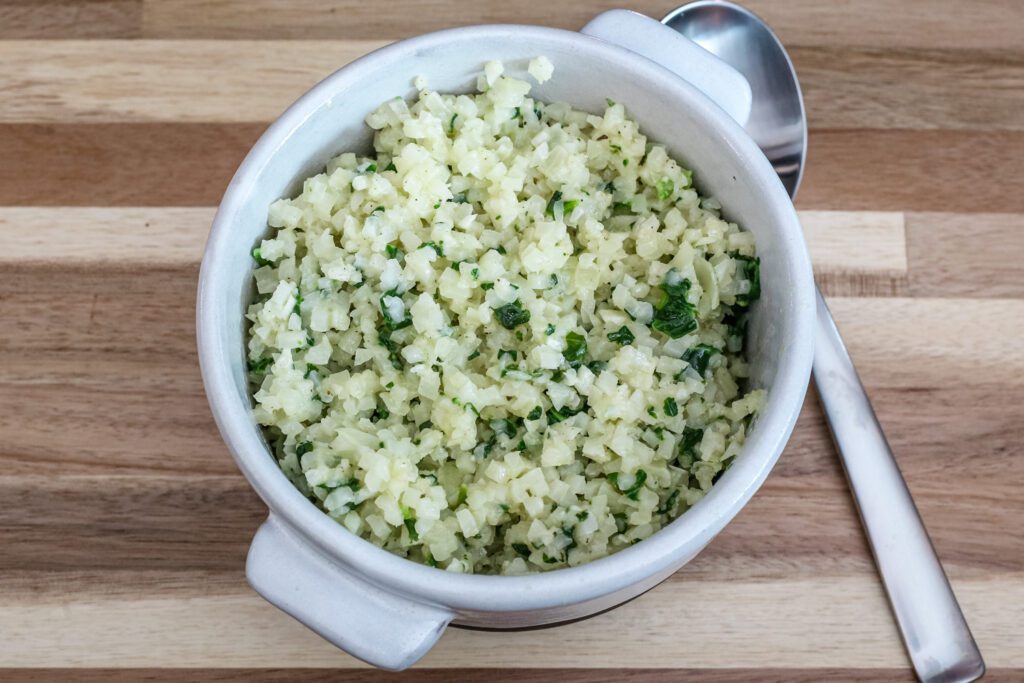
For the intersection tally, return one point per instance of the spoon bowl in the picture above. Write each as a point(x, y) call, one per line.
point(777, 121)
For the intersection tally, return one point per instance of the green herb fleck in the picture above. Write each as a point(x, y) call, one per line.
point(535, 413)
point(665, 188)
point(260, 367)
point(392, 250)
point(700, 356)
point(258, 258)
point(522, 549)
point(669, 503)
point(389, 322)
point(671, 407)
point(555, 415)
point(575, 349)
point(438, 248)
point(463, 494)
point(750, 268)
point(451, 124)
point(688, 444)
point(620, 522)
point(486, 286)
point(556, 197)
point(391, 167)
point(475, 273)
point(303, 448)
point(674, 315)
point(512, 315)
point(473, 355)
point(622, 336)
point(549, 330)
point(651, 412)
point(633, 492)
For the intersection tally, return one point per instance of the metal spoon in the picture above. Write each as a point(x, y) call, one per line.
point(934, 630)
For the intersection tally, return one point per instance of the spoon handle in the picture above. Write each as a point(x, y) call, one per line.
point(933, 627)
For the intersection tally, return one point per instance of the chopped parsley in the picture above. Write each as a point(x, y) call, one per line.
point(260, 366)
point(438, 248)
point(522, 549)
point(258, 258)
point(665, 188)
point(688, 444)
point(549, 330)
point(556, 415)
point(512, 315)
point(575, 349)
point(633, 492)
point(750, 268)
point(674, 314)
point(671, 407)
point(670, 503)
point(391, 167)
point(303, 448)
point(621, 336)
point(392, 250)
point(550, 210)
point(535, 413)
point(700, 356)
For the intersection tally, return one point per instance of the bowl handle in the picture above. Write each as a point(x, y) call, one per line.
point(378, 627)
point(638, 33)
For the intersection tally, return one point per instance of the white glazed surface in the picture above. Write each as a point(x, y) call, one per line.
point(410, 601)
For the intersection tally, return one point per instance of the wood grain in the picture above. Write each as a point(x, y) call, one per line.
point(190, 164)
point(854, 629)
point(993, 265)
point(70, 19)
point(125, 523)
point(983, 24)
point(98, 81)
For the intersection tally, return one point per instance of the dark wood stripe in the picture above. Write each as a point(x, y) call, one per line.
point(159, 164)
point(188, 521)
point(902, 88)
point(924, 23)
point(70, 18)
point(152, 164)
point(913, 170)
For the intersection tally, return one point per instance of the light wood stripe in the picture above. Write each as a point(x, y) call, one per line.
point(99, 81)
point(861, 245)
point(765, 626)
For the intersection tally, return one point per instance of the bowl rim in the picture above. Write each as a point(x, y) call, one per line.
point(676, 541)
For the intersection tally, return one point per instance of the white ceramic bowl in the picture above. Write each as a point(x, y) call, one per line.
point(387, 610)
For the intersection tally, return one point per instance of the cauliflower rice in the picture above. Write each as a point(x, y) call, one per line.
point(510, 341)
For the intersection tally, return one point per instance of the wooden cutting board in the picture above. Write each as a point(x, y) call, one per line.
point(124, 523)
